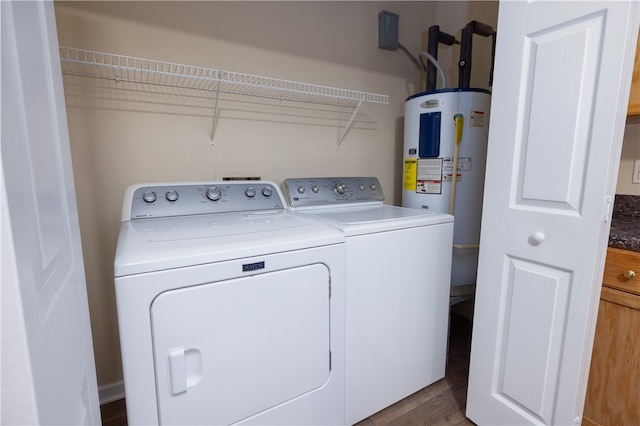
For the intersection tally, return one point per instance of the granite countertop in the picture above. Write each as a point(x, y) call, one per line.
point(625, 223)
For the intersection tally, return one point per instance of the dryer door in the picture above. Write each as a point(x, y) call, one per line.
point(228, 350)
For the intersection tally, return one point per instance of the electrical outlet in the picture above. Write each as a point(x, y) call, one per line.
point(636, 171)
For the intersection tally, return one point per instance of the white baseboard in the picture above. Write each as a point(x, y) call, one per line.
point(111, 392)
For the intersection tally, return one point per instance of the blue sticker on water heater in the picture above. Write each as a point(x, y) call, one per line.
point(429, 137)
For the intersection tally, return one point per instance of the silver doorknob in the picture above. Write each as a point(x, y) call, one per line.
point(536, 238)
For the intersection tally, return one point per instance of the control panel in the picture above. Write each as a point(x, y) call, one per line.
point(182, 199)
point(306, 192)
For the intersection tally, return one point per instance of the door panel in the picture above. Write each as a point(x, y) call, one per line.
point(557, 121)
point(540, 292)
point(55, 374)
point(560, 70)
point(228, 350)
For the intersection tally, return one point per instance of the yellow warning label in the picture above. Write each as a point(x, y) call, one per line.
point(410, 173)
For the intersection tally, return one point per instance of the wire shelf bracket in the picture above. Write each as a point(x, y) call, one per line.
point(349, 123)
point(88, 63)
point(214, 127)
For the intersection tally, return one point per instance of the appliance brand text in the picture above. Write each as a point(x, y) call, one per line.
point(252, 266)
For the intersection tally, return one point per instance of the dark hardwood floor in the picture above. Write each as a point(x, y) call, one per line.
point(114, 413)
point(442, 403)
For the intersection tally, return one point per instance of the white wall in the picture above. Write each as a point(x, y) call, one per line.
point(630, 152)
point(121, 135)
point(452, 18)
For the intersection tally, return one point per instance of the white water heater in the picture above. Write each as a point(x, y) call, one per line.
point(430, 136)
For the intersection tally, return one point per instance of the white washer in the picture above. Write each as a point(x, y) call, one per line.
point(230, 307)
point(398, 275)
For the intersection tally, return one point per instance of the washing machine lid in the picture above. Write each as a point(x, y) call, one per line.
point(156, 244)
point(359, 220)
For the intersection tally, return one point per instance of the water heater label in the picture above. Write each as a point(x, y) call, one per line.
point(410, 172)
point(476, 119)
point(429, 178)
point(464, 164)
point(448, 177)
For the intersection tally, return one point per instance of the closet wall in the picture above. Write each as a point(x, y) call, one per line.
point(123, 134)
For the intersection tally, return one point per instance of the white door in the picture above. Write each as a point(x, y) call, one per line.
point(562, 79)
point(48, 372)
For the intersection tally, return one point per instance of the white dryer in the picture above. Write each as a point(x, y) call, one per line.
point(230, 307)
point(398, 275)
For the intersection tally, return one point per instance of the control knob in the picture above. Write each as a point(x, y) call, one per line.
point(213, 193)
point(149, 196)
point(300, 189)
point(171, 195)
point(340, 188)
point(374, 187)
point(250, 192)
point(315, 189)
point(267, 191)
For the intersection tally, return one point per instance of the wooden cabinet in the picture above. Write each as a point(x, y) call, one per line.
point(634, 97)
point(613, 392)
point(621, 263)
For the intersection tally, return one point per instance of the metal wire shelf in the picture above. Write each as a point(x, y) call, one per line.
point(87, 63)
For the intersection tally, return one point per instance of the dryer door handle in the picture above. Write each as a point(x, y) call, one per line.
point(177, 371)
point(185, 369)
